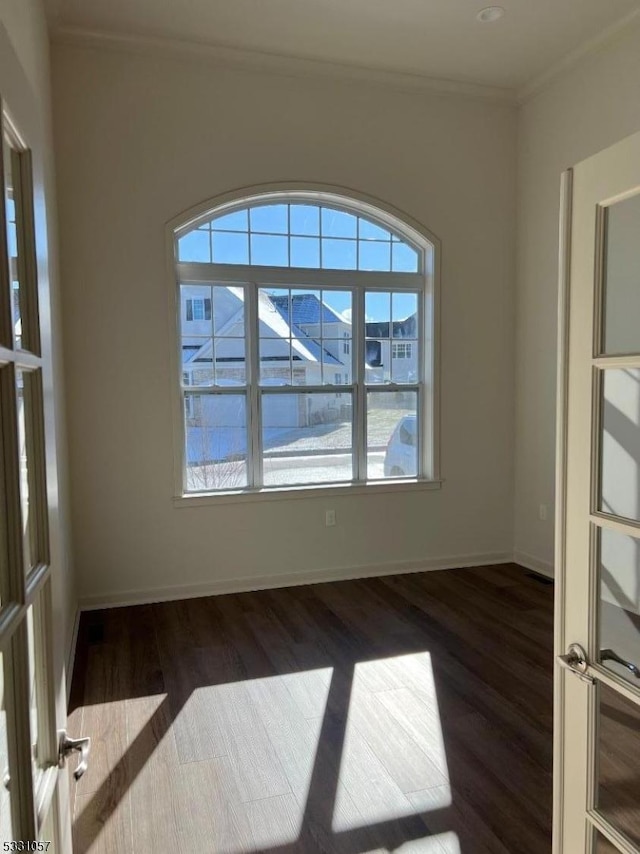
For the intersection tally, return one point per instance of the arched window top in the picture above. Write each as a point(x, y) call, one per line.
point(299, 232)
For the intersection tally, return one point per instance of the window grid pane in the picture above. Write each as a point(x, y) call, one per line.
point(216, 442)
point(305, 336)
point(213, 335)
point(392, 434)
point(307, 438)
point(298, 235)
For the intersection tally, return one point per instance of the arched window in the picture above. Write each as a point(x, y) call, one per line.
point(306, 345)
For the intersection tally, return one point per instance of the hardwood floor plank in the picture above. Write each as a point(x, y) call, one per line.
point(152, 759)
point(294, 738)
point(308, 685)
point(243, 739)
point(376, 795)
point(458, 826)
point(205, 805)
point(104, 720)
point(408, 764)
point(102, 822)
point(272, 822)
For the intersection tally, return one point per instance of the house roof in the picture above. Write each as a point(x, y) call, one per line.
point(305, 309)
point(401, 328)
point(275, 318)
point(318, 352)
point(188, 352)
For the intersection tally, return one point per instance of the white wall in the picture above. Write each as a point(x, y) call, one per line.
point(140, 138)
point(593, 106)
point(26, 28)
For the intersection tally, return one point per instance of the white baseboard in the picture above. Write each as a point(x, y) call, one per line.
point(71, 652)
point(267, 582)
point(534, 563)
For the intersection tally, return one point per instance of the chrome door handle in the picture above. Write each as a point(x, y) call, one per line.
point(612, 655)
point(68, 745)
point(575, 660)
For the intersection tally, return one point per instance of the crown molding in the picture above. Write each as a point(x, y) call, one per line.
point(581, 53)
point(291, 66)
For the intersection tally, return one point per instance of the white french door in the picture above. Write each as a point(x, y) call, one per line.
point(33, 812)
point(597, 780)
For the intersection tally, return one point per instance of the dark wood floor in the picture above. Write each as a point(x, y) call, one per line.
point(409, 713)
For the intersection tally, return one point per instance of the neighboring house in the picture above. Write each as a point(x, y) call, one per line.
point(302, 341)
point(392, 350)
point(321, 323)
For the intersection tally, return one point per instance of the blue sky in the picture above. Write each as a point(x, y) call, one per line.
point(307, 235)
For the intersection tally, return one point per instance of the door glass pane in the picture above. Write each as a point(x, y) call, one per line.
point(602, 845)
point(48, 831)
point(622, 277)
point(11, 171)
point(34, 663)
point(619, 641)
point(5, 377)
point(26, 458)
point(5, 801)
point(620, 457)
point(216, 441)
point(392, 434)
point(39, 715)
point(307, 438)
point(619, 761)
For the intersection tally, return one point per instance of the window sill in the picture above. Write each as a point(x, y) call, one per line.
point(295, 493)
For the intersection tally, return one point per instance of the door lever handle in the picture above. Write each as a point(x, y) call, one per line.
point(612, 655)
point(575, 660)
point(68, 745)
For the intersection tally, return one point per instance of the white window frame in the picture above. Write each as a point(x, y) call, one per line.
point(427, 384)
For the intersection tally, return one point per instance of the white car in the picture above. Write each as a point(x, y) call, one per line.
point(401, 458)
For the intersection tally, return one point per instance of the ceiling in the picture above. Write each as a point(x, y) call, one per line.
point(432, 38)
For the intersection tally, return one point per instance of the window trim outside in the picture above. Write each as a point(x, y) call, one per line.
point(404, 347)
point(255, 276)
point(191, 308)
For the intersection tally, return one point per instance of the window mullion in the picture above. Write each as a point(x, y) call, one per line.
point(252, 331)
point(360, 394)
point(424, 435)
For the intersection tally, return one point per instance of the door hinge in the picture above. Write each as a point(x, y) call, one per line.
point(68, 745)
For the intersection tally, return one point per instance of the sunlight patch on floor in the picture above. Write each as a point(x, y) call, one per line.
point(393, 761)
point(440, 843)
point(260, 748)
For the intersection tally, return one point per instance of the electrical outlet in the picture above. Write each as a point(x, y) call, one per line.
point(330, 518)
point(542, 512)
